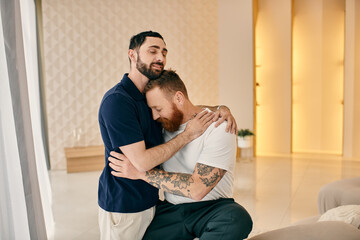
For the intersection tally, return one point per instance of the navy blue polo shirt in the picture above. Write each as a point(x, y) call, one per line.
point(125, 118)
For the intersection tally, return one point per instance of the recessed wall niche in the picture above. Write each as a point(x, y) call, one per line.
point(299, 51)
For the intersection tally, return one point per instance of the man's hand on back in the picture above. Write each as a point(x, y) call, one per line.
point(123, 167)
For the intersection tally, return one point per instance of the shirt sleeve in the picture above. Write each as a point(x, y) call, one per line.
point(219, 148)
point(121, 120)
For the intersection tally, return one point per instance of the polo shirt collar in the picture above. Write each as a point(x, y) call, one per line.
point(131, 89)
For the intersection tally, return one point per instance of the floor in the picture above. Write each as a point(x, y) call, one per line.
point(276, 191)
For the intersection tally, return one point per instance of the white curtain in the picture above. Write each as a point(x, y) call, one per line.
point(13, 218)
point(28, 20)
point(15, 221)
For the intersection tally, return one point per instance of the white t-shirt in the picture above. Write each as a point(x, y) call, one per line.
point(215, 148)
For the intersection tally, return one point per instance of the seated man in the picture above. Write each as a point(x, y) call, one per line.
point(197, 180)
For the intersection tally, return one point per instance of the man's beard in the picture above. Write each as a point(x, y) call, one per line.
point(172, 124)
point(146, 71)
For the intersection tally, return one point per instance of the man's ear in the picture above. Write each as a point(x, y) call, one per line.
point(179, 98)
point(132, 55)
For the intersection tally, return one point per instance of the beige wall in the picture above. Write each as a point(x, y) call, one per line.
point(318, 76)
point(349, 77)
point(318, 50)
point(273, 74)
point(356, 136)
point(236, 59)
point(273, 93)
point(352, 81)
point(85, 48)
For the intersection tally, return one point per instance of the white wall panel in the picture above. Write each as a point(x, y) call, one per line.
point(349, 77)
point(236, 61)
point(273, 75)
point(356, 136)
point(318, 76)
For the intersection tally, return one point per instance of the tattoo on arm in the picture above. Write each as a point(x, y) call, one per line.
point(176, 192)
point(182, 180)
point(208, 176)
point(175, 183)
point(204, 170)
point(183, 184)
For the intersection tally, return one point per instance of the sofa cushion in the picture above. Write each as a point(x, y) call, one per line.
point(349, 214)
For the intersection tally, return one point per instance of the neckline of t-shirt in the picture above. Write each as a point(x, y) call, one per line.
point(183, 126)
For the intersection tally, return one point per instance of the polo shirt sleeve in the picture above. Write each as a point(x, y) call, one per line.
point(219, 148)
point(119, 115)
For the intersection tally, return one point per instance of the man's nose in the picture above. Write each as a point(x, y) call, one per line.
point(160, 57)
point(155, 115)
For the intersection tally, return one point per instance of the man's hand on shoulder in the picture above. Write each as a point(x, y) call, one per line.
point(198, 125)
point(223, 114)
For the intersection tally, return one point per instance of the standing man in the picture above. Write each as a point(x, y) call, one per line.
point(198, 180)
point(126, 207)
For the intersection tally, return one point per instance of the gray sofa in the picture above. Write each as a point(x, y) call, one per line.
point(332, 195)
point(339, 193)
point(313, 231)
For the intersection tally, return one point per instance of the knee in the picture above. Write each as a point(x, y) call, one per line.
point(243, 223)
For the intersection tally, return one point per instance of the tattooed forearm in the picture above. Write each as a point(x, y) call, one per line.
point(175, 183)
point(176, 192)
point(195, 186)
point(158, 176)
point(182, 181)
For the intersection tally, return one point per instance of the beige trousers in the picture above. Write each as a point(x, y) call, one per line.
point(124, 226)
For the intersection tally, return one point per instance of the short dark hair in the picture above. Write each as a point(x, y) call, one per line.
point(137, 40)
point(168, 81)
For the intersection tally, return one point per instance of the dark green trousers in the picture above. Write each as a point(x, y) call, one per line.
point(221, 219)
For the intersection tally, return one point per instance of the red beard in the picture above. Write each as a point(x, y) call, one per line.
point(175, 120)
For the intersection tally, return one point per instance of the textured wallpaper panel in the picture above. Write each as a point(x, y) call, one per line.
point(86, 42)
